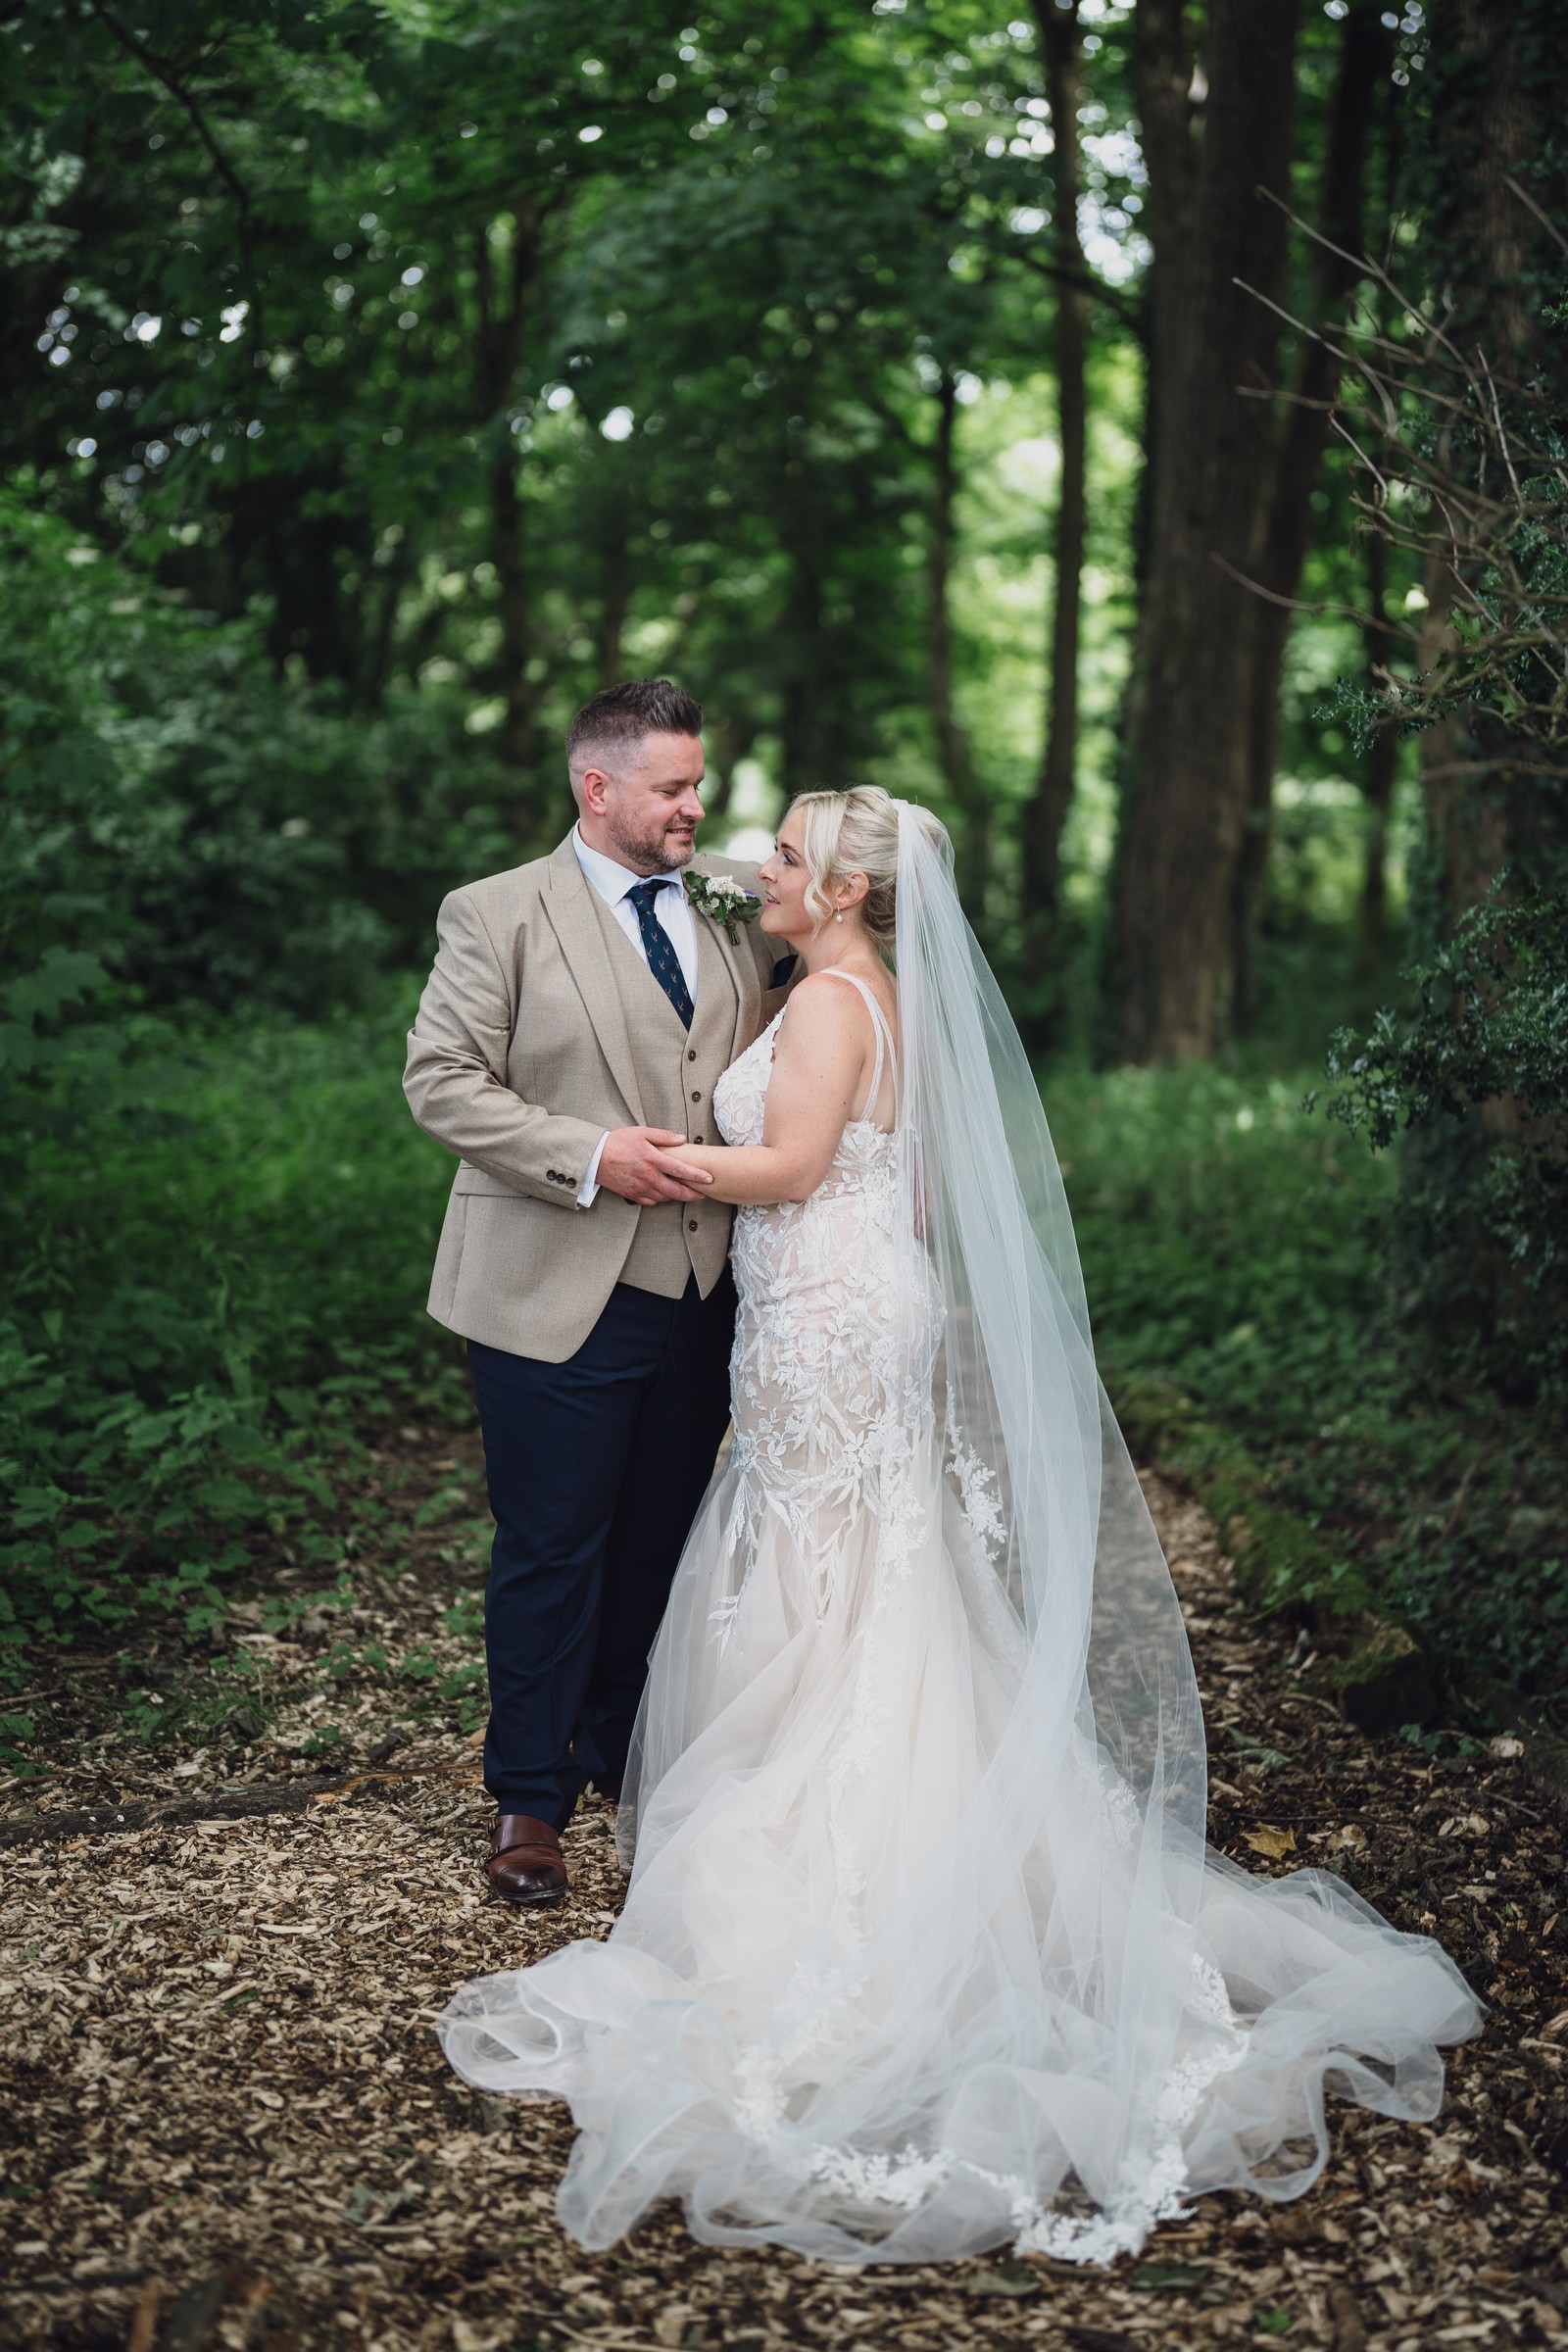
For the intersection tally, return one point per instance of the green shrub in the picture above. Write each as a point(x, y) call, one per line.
point(1238, 1249)
point(217, 1247)
point(1227, 1242)
point(212, 836)
point(1476, 1080)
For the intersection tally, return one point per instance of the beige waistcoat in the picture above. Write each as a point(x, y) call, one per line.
point(539, 1028)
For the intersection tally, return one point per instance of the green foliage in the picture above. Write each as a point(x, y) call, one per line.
point(1477, 1076)
point(197, 830)
point(218, 1247)
point(1236, 1254)
point(1224, 1240)
point(483, 355)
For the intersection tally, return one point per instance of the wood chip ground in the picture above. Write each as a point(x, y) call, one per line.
point(226, 2122)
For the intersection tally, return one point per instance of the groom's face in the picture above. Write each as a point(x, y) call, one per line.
point(649, 807)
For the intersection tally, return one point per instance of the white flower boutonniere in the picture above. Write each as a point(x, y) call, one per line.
point(722, 900)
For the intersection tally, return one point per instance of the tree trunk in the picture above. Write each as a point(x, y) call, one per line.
point(729, 742)
point(1489, 67)
point(500, 354)
point(1366, 54)
point(375, 667)
point(1198, 630)
point(1045, 814)
point(807, 751)
point(1381, 769)
point(613, 610)
point(952, 743)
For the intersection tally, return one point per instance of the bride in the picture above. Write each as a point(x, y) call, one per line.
point(923, 1950)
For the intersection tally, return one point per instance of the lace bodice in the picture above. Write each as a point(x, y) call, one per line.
point(836, 1336)
point(739, 1098)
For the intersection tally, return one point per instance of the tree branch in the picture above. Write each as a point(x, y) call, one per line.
point(1084, 281)
point(134, 46)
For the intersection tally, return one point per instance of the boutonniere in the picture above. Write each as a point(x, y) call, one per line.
point(722, 900)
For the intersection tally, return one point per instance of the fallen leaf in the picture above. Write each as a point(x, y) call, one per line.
point(1163, 2277)
point(144, 2323)
point(1349, 2329)
point(1275, 1844)
point(1007, 2279)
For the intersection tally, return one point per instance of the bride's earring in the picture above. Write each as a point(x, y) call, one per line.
point(838, 918)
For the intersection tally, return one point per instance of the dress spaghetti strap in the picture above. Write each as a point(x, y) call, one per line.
point(886, 1050)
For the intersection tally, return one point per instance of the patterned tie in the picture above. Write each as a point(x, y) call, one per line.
point(663, 960)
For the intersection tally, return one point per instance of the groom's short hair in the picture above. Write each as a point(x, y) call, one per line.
point(621, 716)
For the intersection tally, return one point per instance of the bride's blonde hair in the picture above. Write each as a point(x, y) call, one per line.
point(856, 832)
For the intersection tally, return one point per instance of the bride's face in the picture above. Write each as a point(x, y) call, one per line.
point(785, 878)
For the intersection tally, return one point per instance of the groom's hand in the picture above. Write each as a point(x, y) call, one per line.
point(638, 1163)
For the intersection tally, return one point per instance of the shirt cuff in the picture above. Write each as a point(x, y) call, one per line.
point(588, 1189)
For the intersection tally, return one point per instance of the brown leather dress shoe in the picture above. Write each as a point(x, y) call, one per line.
point(525, 1865)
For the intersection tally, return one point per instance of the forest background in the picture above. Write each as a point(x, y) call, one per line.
point(1134, 430)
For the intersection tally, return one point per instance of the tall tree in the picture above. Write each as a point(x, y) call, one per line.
point(1218, 126)
point(1060, 42)
point(1493, 98)
point(1380, 765)
point(1361, 76)
point(1461, 420)
point(953, 743)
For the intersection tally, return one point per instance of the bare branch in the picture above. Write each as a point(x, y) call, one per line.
point(1294, 604)
point(1082, 281)
point(1530, 205)
point(165, 73)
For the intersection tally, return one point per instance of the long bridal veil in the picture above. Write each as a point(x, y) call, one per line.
point(924, 1949)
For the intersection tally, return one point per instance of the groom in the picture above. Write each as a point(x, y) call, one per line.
point(580, 1014)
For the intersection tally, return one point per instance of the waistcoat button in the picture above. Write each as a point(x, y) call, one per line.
point(691, 1054)
point(696, 1097)
point(691, 1224)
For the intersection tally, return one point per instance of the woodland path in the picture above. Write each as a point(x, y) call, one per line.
point(228, 2125)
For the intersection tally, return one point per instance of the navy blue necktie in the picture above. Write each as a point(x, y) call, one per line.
point(663, 960)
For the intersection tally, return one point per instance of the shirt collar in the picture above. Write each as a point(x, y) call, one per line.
point(609, 877)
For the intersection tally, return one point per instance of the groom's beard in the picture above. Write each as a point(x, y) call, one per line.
point(651, 848)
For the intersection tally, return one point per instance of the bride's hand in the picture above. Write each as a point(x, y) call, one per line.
point(823, 1062)
point(639, 1163)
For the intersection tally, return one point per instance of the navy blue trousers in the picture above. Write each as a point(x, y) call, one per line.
point(595, 1469)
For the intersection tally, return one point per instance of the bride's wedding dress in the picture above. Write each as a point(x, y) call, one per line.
point(922, 1949)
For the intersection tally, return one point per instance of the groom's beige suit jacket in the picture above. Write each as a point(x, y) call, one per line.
point(539, 1028)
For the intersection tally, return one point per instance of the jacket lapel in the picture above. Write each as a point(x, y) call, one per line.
point(741, 965)
point(568, 905)
point(717, 995)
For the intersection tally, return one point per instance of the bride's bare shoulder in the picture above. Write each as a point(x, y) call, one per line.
point(825, 1022)
point(821, 1001)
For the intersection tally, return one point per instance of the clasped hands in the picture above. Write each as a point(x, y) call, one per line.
point(643, 1164)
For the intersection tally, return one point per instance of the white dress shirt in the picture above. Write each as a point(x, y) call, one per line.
point(613, 881)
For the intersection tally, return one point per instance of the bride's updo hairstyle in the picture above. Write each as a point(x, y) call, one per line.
point(856, 832)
